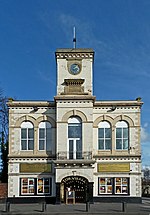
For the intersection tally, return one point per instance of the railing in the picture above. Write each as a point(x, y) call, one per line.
point(74, 155)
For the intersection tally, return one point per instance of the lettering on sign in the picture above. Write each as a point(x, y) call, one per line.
point(35, 167)
point(74, 178)
point(114, 167)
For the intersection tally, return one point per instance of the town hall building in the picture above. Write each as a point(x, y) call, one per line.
point(74, 148)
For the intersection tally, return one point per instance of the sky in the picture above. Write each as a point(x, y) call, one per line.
point(117, 30)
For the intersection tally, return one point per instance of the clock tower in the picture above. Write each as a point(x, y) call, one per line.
point(74, 71)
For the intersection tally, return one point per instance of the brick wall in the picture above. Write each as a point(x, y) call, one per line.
point(3, 190)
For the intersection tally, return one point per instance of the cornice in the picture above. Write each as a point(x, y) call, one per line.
point(117, 103)
point(30, 104)
point(74, 97)
point(74, 53)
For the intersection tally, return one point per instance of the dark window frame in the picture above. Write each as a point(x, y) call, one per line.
point(35, 187)
point(113, 187)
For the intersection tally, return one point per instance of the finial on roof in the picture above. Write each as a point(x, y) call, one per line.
point(74, 37)
point(138, 99)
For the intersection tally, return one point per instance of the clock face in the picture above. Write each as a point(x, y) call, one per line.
point(74, 69)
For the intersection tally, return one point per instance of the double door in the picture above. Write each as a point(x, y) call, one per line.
point(74, 148)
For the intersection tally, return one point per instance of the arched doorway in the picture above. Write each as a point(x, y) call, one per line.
point(78, 184)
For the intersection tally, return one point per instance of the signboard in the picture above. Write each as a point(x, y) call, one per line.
point(113, 167)
point(35, 167)
point(74, 178)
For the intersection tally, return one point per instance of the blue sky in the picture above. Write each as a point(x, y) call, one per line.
point(117, 30)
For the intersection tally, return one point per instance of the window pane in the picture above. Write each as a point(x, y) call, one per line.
point(41, 144)
point(48, 145)
point(40, 181)
point(118, 144)
point(30, 133)
point(23, 144)
point(48, 134)
point(31, 189)
point(125, 132)
point(125, 144)
point(41, 133)
point(46, 189)
point(70, 149)
point(118, 132)
point(48, 139)
point(125, 189)
point(25, 181)
point(78, 145)
point(40, 189)
point(108, 144)
point(124, 181)
point(101, 132)
point(74, 131)
point(24, 190)
point(118, 181)
point(46, 181)
point(23, 133)
point(43, 186)
point(105, 185)
point(108, 181)
point(109, 189)
point(121, 185)
point(107, 132)
point(118, 189)
point(27, 186)
point(102, 180)
point(102, 189)
point(40, 185)
point(78, 149)
point(30, 144)
point(31, 181)
point(101, 144)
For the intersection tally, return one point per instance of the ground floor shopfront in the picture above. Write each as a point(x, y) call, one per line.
point(61, 183)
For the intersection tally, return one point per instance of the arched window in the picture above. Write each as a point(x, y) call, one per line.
point(74, 138)
point(27, 136)
point(104, 136)
point(45, 136)
point(122, 135)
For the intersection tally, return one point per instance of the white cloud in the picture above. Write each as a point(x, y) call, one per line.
point(46, 77)
point(84, 30)
point(145, 136)
point(117, 54)
point(146, 155)
point(145, 125)
point(145, 144)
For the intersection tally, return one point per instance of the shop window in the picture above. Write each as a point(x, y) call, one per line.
point(113, 186)
point(44, 185)
point(27, 136)
point(104, 136)
point(36, 186)
point(27, 187)
point(105, 185)
point(122, 136)
point(45, 136)
point(121, 185)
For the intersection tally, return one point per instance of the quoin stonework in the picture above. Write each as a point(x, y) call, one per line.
point(74, 148)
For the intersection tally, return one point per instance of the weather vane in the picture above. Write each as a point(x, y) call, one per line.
point(74, 37)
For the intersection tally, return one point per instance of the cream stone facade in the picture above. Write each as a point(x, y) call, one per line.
point(74, 143)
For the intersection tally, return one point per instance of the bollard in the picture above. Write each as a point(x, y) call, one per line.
point(7, 207)
point(87, 206)
point(124, 207)
point(43, 206)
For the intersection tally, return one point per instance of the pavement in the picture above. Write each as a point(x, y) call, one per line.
point(77, 209)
